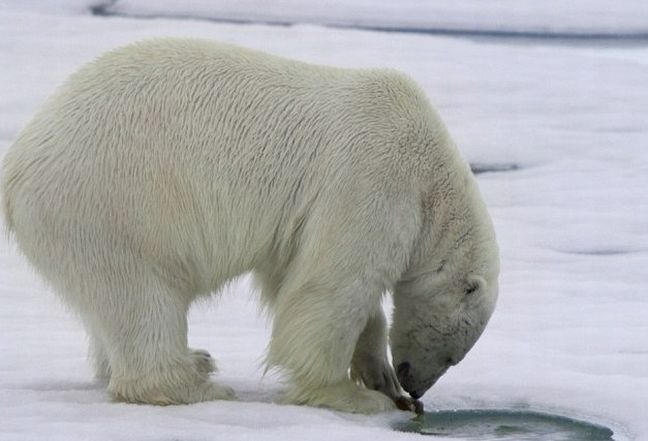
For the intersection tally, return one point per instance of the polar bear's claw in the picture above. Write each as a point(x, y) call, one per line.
point(217, 391)
point(203, 361)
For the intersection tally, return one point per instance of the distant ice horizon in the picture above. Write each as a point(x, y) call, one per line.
point(579, 20)
point(555, 19)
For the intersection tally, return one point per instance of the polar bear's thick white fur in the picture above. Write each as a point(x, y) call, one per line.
point(163, 169)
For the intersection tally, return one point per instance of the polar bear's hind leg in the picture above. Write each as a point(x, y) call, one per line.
point(143, 323)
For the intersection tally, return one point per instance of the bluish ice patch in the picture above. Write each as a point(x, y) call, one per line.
point(479, 168)
point(505, 425)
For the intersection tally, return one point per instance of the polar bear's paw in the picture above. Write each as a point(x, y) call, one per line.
point(181, 382)
point(210, 391)
point(345, 396)
point(168, 395)
point(376, 374)
point(203, 361)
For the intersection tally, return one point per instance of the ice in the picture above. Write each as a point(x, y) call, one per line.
point(569, 335)
point(580, 17)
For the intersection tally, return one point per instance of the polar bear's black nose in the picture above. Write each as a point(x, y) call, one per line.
point(406, 379)
point(403, 370)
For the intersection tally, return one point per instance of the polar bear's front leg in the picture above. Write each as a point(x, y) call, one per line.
point(316, 329)
point(370, 365)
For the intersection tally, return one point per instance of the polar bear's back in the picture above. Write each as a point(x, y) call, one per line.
point(180, 100)
point(195, 141)
point(230, 99)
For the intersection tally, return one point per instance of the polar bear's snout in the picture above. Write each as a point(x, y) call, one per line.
point(430, 335)
point(412, 383)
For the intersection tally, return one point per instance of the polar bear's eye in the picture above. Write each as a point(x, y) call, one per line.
point(473, 284)
point(471, 288)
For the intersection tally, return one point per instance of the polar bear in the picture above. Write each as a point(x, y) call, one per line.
point(163, 169)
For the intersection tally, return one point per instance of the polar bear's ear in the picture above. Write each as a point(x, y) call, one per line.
point(474, 284)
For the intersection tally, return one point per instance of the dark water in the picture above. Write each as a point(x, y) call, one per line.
point(505, 425)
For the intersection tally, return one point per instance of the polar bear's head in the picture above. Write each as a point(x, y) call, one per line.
point(438, 317)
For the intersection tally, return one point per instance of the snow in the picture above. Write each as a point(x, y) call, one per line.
point(569, 334)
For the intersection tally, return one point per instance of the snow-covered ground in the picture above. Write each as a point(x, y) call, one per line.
point(570, 334)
